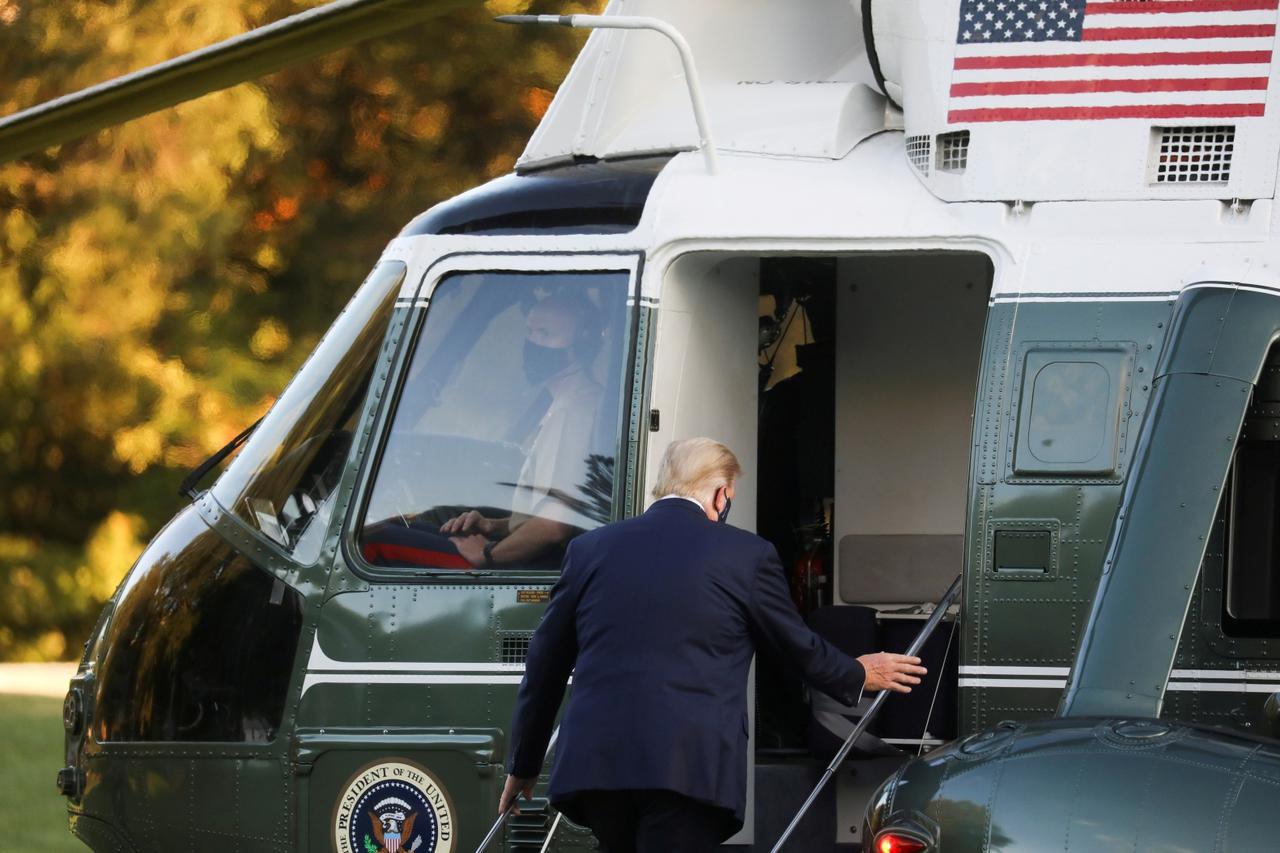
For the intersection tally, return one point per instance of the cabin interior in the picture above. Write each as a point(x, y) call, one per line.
point(846, 385)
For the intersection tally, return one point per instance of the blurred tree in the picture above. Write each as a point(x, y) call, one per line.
point(160, 281)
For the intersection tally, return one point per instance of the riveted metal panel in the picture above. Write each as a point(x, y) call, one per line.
point(1031, 626)
point(156, 797)
point(1006, 629)
point(993, 389)
point(1218, 678)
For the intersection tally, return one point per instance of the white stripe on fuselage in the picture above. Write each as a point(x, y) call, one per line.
point(321, 662)
point(312, 679)
point(1062, 671)
point(1032, 683)
point(322, 669)
point(1180, 680)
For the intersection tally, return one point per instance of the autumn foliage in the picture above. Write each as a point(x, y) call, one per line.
point(161, 280)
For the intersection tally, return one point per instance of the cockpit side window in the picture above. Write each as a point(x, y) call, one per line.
point(284, 479)
point(503, 439)
point(1252, 516)
point(200, 646)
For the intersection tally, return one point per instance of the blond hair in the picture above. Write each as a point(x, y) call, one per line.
point(695, 468)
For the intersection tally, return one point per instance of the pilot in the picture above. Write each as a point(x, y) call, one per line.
point(563, 336)
point(553, 491)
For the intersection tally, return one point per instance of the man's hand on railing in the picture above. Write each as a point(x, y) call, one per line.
point(511, 793)
point(887, 671)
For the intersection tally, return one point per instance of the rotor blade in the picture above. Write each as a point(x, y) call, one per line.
point(219, 66)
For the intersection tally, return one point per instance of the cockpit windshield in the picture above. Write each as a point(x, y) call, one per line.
point(505, 432)
point(283, 480)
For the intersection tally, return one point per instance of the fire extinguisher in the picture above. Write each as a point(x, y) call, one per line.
point(809, 573)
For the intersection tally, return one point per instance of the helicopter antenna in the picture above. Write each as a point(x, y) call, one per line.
point(637, 22)
point(218, 66)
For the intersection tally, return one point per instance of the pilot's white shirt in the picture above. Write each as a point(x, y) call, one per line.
point(557, 462)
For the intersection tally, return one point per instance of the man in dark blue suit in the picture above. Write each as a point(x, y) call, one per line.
point(657, 618)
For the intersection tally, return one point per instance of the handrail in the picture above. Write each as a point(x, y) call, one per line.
point(506, 813)
point(640, 22)
point(918, 643)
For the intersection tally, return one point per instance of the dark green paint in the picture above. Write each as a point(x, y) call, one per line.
point(1217, 343)
point(1090, 785)
point(1035, 619)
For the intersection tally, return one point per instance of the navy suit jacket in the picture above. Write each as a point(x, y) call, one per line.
point(657, 618)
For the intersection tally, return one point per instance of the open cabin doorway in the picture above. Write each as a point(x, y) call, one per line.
point(846, 386)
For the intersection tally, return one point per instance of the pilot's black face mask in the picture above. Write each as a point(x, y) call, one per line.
point(724, 513)
point(541, 363)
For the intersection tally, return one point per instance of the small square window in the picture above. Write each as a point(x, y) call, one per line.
point(1072, 410)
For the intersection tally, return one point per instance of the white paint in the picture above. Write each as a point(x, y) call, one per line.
point(1130, 46)
point(1062, 671)
point(793, 80)
point(626, 93)
point(704, 371)
point(1236, 674)
point(312, 679)
point(322, 669)
point(916, 41)
point(1101, 99)
point(1022, 297)
point(1222, 687)
point(1035, 683)
point(706, 142)
point(1180, 680)
point(1177, 72)
point(321, 662)
point(872, 201)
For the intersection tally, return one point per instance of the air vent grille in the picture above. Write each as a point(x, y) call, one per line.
point(514, 646)
point(920, 153)
point(1185, 155)
point(953, 151)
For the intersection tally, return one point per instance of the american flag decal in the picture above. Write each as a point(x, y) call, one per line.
point(1058, 60)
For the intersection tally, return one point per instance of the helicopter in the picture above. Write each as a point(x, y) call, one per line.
point(978, 288)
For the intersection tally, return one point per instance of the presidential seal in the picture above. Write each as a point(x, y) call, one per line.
point(393, 806)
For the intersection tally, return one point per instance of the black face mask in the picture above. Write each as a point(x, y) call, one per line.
point(541, 363)
point(724, 513)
